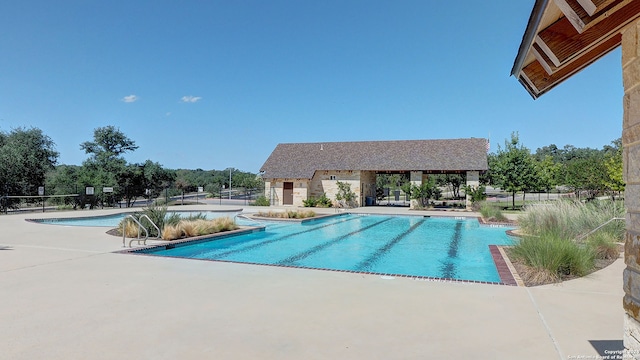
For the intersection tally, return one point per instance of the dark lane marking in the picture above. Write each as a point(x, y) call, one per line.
point(266, 242)
point(290, 260)
point(449, 268)
point(367, 263)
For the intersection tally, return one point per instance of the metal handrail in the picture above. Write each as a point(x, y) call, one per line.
point(145, 216)
point(138, 239)
point(582, 237)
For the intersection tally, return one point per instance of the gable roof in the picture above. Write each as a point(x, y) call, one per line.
point(302, 160)
point(565, 36)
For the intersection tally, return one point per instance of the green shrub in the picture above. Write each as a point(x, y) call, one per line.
point(476, 193)
point(550, 258)
point(490, 212)
point(310, 202)
point(324, 201)
point(261, 201)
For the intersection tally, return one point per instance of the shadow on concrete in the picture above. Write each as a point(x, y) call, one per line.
point(608, 349)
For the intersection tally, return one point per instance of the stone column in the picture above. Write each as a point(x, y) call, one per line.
point(416, 179)
point(473, 180)
point(631, 175)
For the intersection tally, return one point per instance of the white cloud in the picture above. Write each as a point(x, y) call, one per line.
point(129, 99)
point(190, 99)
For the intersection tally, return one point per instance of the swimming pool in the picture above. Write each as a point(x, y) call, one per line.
point(448, 248)
point(114, 220)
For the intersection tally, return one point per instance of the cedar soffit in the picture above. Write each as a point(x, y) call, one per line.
point(565, 36)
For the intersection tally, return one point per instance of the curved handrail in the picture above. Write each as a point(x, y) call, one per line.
point(145, 216)
point(582, 237)
point(139, 226)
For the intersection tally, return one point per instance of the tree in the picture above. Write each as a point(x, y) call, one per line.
point(424, 192)
point(345, 196)
point(586, 174)
point(108, 143)
point(514, 169)
point(547, 172)
point(106, 166)
point(613, 166)
point(25, 157)
point(183, 185)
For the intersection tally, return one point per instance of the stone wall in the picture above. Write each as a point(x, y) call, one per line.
point(631, 174)
point(274, 188)
point(326, 181)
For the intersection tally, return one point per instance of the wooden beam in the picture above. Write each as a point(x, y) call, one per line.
point(542, 59)
point(575, 13)
point(547, 51)
point(540, 81)
point(595, 6)
point(565, 43)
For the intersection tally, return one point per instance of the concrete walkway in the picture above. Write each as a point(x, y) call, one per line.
point(64, 294)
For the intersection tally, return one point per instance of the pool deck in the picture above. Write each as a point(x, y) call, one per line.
point(67, 295)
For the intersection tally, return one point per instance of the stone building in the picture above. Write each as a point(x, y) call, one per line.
point(299, 171)
point(563, 37)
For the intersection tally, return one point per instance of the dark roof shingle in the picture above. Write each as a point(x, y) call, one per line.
point(302, 160)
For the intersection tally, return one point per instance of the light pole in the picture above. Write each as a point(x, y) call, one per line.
point(229, 183)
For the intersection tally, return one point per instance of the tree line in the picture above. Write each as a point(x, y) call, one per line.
point(28, 167)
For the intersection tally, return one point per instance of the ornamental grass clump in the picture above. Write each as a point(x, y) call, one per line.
point(490, 212)
point(550, 258)
point(198, 227)
point(573, 219)
point(560, 242)
point(289, 214)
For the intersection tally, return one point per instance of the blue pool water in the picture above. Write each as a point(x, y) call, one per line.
point(404, 245)
point(114, 220)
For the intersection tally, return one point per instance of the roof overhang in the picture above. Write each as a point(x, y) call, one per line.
point(565, 36)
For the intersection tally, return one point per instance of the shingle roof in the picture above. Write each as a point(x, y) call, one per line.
point(302, 160)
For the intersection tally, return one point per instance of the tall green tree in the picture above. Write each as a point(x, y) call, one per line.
point(613, 165)
point(547, 172)
point(513, 168)
point(26, 155)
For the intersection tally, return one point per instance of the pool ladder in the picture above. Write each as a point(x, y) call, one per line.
point(140, 226)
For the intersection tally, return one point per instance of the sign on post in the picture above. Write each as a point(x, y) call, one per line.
point(40, 190)
point(107, 189)
point(89, 190)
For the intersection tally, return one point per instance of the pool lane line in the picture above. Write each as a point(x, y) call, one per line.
point(367, 263)
point(267, 242)
point(449, 268)
point(290, 260)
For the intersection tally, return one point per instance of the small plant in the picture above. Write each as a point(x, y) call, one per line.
point(490, 212)
point(324, 201)
point(476, 193)
point(310, 202)
point(261, 201)
point(345, 196)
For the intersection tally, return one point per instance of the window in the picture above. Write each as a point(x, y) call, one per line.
point(332, 177)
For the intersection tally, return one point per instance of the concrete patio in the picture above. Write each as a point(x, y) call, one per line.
point(65, 294)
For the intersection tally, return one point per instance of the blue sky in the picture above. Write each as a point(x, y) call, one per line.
point(218, 84)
